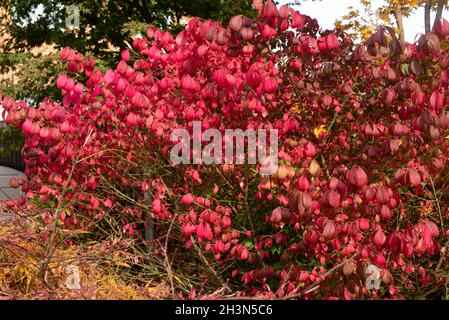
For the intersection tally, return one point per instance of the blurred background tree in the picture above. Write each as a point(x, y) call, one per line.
point(11, 140)
point(103, 23)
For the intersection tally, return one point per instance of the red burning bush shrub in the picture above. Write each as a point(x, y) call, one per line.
point(362, 150)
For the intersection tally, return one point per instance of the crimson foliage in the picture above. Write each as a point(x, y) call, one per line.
point(363, 152)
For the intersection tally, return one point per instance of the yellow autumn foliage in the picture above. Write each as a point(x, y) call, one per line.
point(360, 24)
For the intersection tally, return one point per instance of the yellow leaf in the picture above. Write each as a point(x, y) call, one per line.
point(122, 264)
point(318, 131)
point(296, 108)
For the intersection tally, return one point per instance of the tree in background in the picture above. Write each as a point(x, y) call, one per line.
point(106, 23)
point(360, 25)
point(429, 4)
point(11, 140)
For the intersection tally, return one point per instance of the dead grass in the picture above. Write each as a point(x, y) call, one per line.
point(103, 269)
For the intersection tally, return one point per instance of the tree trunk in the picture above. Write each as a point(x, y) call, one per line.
point(427, 8)
point(400, 24)
point(440, 9)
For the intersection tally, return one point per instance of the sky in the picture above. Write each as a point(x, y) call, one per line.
point(328, 11)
